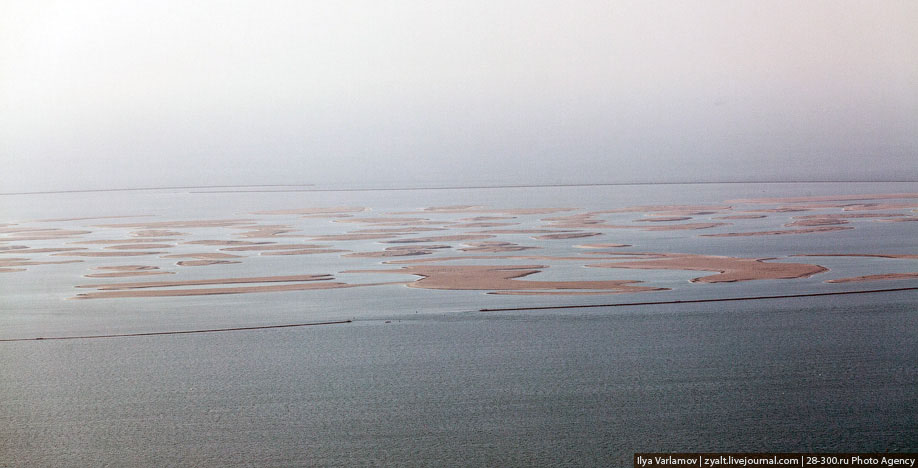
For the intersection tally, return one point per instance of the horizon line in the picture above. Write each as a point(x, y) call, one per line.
point(303, 187)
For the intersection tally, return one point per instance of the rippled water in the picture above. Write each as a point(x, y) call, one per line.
point(421, 377)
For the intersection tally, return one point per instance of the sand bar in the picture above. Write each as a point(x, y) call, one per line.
point(314, 211)
point(204, 256)
point(182, 224)
point(458, 237)
point(881, 277)
point(166, 284)
point(120, 271)
point(482, 209)
point(496, 247)
point(601, 246)
point(42, 250)
point(140, 246)
point(393, 252)
point(304, 252)
point(204, 262)
point(898, 256)
point(810, 230)
point(662, 219)
point(494, 278)
point(748, 216)
point(731, 269)
point(104, 254)
point(157, 233)
point(215, 291)
point(225, 242)
point(353, 236)
point(875, 196)
point(263, 247)
point(566, 235)
point(121, 241)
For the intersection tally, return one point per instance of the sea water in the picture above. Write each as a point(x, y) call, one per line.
point(422, 377)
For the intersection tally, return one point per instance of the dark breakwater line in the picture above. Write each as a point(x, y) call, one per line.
point(695, 301)
point(180, 332)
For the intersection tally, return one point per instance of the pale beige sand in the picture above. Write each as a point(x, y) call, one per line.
point(261, 232)
point(876, 196)
point(127, 267)
point(126, 274)
point(588, 221)
point(885, 276)
point(523, 231)
point(458, 237)
point(481, 209)
point(334, 210)
point(476, 219)
point(201, 282)
point(11, 270)
point(348, 237)
point(215, 291)
point(393, 252)
point(140, 246)
point(817, 222)
point(225, 242)
point(204, 262)
point(43, 250)
point(46, 234)
point(784, 209)
point(182, 224)
point(481, 224)
point(120, 271)
point(660, 219)
point(397, 230)
point(121, 241)
point(750, 216)
point(496, 278)
point(730, 269)
point(104, 254)
point(18, 262)
point(880, 206)
point(667, 208)
point(496, 247)
point(848, 215)
point(327, 216)
point(566, 235)
point(389, 221)
point(908, 219)
point(585, 259)
point(601, 246)
point(53, 220)
point(304, 252)
point(810, 230)
point(204, 256)
point(263, 247)
point(157, 233)
point(899, 256)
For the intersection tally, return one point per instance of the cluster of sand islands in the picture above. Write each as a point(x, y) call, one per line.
point(439, 246)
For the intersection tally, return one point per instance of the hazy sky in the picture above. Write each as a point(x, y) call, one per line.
point(101, 94)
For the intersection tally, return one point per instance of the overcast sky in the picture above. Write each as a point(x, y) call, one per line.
point(104, 94)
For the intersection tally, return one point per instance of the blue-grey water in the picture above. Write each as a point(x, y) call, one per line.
point(421, 378)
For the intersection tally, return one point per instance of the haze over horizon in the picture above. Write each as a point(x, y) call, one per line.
point(104, 94)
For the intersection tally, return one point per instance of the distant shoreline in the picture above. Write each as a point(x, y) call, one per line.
point(276, 188)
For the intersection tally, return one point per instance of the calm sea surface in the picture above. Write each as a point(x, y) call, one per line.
point(423, 377)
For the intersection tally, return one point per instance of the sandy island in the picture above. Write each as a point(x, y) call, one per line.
point(811, 230)
point(731, 269)
point(881, 277)
point(566, 235)
point(495, 247)
point(120, 271)
point(502, 278)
